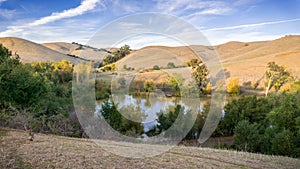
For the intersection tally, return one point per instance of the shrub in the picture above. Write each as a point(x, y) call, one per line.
point(282, 144)
point(156, 67)
point(171, 65)
point(233, 86)
point(246, 136)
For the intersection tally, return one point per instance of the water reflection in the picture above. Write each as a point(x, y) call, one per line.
point(150, 106)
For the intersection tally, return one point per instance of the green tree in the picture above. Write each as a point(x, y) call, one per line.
point(110, 113)
point(246, 136)
point(282, 144)
point(149, 86)
point(275, 76)
point(156, 67)
point(171, 65)
point(200, 74)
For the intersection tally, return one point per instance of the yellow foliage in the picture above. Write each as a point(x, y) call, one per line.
point(233, 86)
point(208, 88)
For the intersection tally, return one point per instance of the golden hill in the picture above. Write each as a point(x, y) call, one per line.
point(33, 52)
point(74, 49)
point(246, 61)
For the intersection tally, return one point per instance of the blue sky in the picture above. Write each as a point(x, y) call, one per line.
point(78, 20)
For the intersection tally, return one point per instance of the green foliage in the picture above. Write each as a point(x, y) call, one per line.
point(275, 76)
point(156, 67)
point(200, 74)
point(282, 143)
point(33, 94)
point(149, 86)
point(171, 65)
point(248, 108)
point(295, 87)
point(120, 123)
point(102, 89)
point(246, 136)
point(274, 120)
point(185, 122)
point(176, 81)
point(111, 115)
point(116, 55)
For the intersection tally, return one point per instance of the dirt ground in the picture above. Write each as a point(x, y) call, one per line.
point(50, 151)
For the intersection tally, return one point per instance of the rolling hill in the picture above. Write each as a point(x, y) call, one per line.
point(246, 61)
point(77, 50)
point(33, 52)
point(54, 52)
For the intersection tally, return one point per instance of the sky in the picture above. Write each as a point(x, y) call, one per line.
point(79, 21)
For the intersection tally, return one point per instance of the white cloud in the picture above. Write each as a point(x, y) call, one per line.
point(252, 25)
point(8, 14)
point(2, 1)
point(179, 7)
point(85, 6)
point(22, 30)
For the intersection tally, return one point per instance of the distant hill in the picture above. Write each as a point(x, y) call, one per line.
point(33, 52)
point(76, 49)
point(246, 61)
point(56, 51)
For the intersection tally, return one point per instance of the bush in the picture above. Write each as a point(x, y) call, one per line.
point(171, 65)
point(156, 67)
point(282, 144)
point(233, 86)
point(246, 136)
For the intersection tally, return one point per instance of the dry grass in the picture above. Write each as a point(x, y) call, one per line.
point(246, 61)
point(33, 52)
point(49, 151)
point(67, 48)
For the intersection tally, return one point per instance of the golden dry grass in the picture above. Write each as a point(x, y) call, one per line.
point(68, 48)
point(246, 61)
point(33, 52)
point(50, 151)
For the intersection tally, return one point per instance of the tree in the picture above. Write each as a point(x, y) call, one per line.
point(200, 74)
point(156, 67)
point(116, 55)
point(171, 65)
point(282, 143)
point(275, 76)
point(246, 136)
point(149, 86)
point(233, 86)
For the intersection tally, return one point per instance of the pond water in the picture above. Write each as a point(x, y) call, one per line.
point(150, 105)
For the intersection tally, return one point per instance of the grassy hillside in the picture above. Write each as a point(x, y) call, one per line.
point(50, 151)
point(246, 61)
point(33, 52)
point(75, 49)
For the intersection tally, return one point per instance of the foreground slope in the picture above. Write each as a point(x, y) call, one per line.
point(33, 52)
point(50, 151)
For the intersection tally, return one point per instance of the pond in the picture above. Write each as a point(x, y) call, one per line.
point(150, 106)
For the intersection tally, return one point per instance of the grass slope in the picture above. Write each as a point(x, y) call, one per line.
point(50, 151)
point(72, 49)
point(33, 52)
